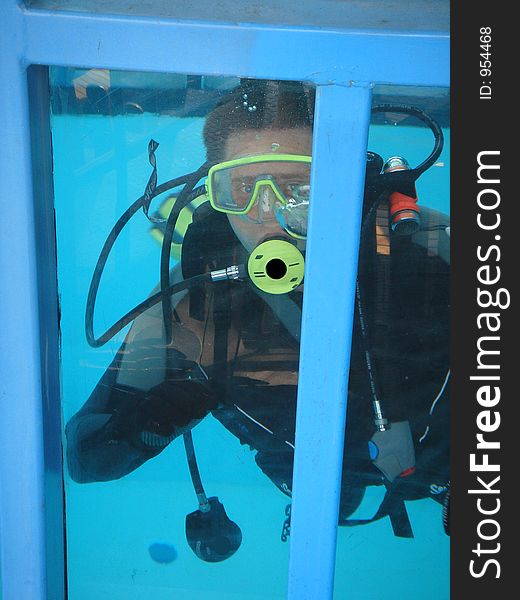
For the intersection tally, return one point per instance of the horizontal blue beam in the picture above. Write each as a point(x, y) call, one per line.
point(165, 45)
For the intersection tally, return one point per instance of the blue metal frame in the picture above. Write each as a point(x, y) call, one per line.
point(324, 57)
point(331, 267)
point(344, 64)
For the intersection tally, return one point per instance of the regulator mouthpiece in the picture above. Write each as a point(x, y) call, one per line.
point(276, 266)
point(211, 534)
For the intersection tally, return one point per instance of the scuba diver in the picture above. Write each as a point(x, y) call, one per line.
point(221, 333)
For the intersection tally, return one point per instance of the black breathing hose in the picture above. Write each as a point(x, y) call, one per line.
point(425, 118)
point(184, 198)
point(194, 472)
point(103, 257)
point(142, 307)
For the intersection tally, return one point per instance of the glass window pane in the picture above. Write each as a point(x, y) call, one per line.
point(396, 468)
point(134, 389)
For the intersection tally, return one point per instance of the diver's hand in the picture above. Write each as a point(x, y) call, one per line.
point(175, 404)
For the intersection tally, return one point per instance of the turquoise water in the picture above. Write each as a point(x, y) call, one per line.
point(100, 167)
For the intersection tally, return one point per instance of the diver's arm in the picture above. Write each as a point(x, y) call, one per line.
point(149, 395)
point(98, 450)
point(121, 426)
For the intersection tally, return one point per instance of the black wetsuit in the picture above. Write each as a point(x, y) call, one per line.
point(235, 354)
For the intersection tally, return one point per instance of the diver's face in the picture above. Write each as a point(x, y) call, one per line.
point(265, 141)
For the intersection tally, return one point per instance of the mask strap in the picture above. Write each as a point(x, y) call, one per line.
point(149, 192)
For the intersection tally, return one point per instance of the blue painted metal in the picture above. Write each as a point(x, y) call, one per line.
point(331, 58)
point(22, 540)
point(338, 168)
point(43, 193)
point(322, 56)
point(420, 15)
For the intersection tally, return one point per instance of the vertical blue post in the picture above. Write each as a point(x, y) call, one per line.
point(22, 538)
point(338, 170)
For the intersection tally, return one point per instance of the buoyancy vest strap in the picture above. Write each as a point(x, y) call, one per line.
point(286, 310)
point(396, 511)
point(383, 229)
point(382, 270)
point(221, 325)
point(392, 506)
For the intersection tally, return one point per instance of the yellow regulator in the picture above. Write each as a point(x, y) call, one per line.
point(276, 266)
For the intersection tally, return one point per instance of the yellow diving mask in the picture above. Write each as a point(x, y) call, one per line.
point(262, 188)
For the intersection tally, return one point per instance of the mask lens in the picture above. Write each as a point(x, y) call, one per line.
point(231, 191)
point(292, 215)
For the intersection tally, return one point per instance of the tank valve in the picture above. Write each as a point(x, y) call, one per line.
point(404, 212)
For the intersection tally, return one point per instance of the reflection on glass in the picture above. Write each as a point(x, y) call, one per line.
point(181, 212)
point(396, 475)
point(198, 331)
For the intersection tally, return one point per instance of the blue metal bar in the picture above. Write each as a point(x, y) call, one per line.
point(165, 45)
point(22, 542)
point(338, 168)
